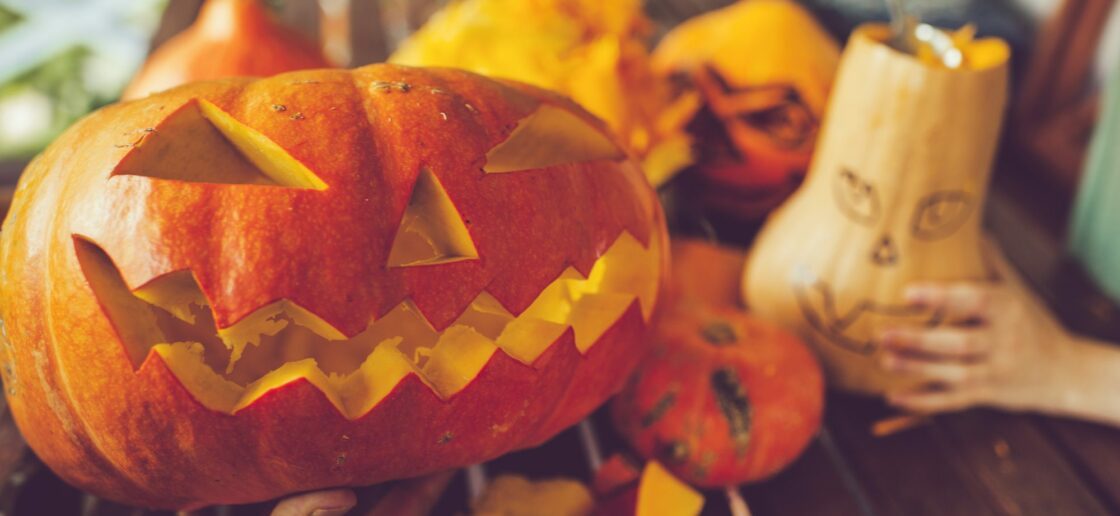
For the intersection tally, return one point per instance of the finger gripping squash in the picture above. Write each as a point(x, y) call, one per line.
point(240, 289)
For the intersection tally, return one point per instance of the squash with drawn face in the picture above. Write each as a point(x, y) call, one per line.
point(762, 70)
point(235, 290)
point(895, 196)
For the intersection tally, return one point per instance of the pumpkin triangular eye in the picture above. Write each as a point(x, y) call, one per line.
point(200, 143)
point(548, 137)
point(431, 230)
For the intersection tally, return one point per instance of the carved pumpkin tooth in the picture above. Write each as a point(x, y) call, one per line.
point(457, 358)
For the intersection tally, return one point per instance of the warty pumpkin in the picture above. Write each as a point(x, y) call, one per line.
point(763, 70)
point(239, 289)
point(723, 398)
point(230, 38)
point(895, 195)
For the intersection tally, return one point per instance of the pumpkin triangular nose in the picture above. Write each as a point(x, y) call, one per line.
point(885, 253)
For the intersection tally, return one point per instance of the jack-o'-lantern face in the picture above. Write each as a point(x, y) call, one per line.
point(762, 70)
point(360, 275)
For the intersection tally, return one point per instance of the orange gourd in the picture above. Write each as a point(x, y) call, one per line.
point(235, 290)
point(723, 398)
point(763, 69)
point(895, 196)
point(230, 38)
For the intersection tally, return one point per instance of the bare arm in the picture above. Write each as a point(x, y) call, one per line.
point(1011, 354)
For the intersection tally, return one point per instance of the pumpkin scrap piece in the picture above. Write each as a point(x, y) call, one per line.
point(617, 472)
point(513, 495)
point(658, 492)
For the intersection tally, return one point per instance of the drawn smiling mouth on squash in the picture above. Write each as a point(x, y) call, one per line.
point(228, 368)
point(853, 329)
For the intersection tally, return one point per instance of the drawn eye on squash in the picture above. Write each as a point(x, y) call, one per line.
point(856, 198)
point(940, 214)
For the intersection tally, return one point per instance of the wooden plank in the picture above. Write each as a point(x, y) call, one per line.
point(562, 456)
point(977, 462)
point(1018, 466)
point(813, 484)
point(1095, 453)
point(912, 473)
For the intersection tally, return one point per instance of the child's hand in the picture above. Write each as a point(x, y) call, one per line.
point(1011, 353)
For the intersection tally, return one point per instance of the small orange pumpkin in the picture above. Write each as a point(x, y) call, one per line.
point(230, 38)
point(723, 398)
point(763, 69)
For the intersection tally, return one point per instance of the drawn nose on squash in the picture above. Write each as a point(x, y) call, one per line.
point(885, 253)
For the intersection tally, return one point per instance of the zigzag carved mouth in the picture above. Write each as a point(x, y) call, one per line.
point(228, 369)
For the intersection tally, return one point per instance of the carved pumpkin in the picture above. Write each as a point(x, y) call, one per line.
point(230, 38)
point(723, 398)
point(763, 69)
point(235, 290)
point(895, 196)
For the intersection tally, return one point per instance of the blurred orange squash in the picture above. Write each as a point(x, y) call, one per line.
point(763, 69)
point(230, 38)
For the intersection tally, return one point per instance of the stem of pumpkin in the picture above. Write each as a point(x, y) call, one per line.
point(476, 480)
point(736, 502)
point(590, 446)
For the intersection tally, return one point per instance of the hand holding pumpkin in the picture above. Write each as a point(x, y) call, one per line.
point(1011, 353)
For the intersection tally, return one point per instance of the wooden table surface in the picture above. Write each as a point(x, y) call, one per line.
point(973, 463)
